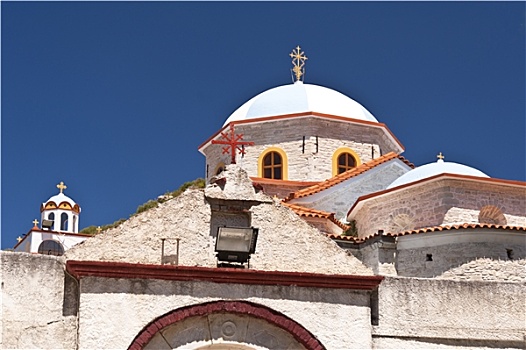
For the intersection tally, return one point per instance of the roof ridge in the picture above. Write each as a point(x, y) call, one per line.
point(428, 229)
point(309, 212)
point(337, 179)
point(306, 209)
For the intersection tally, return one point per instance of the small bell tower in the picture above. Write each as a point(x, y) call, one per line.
point(60, 213)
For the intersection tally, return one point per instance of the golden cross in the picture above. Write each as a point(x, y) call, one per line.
point(61, 186)
point(99, 229)
point(298, 61)
point(440, 156)
point(35, 222)
point(19, 239)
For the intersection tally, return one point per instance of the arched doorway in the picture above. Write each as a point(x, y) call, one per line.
point(225, 325)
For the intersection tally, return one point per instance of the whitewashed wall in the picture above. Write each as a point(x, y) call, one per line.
point(38, 312)
point(425, 313)
point(114, 311)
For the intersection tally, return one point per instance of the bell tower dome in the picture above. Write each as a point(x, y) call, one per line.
point(61, 212)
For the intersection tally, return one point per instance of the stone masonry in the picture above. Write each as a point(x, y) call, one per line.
point(312, 163)
point(428, 203)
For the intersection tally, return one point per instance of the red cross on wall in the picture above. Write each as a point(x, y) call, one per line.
point(233, 142)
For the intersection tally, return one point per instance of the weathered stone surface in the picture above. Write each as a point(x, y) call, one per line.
point(33, 303)
point(471, 254)
point(486, 269)
point(441, 309)
point(234, 184)
point(442, 344)
point(439, 202)
point(283, 236)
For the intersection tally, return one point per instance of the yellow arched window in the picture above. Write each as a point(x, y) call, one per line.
point(272, 164)
point(344, 159)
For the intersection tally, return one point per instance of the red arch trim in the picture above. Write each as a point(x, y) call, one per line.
point(299, 333)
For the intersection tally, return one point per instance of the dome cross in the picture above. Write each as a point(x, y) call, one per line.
point(440, 156)
point(233, 141)
point(35, 222)
point(61, 186)
point(298, 61)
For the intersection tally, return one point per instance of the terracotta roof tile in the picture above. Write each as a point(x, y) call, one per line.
point(430, 229)
point(313, 213)
point(345, 176)
point(262, 180)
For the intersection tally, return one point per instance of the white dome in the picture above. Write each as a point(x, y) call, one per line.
point(59, 198)
point(432, 169)
point(298, 98)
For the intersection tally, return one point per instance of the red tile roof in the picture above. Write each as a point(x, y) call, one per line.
point(266, 181)
point(335, 180)
point(429, 229)
point(313, 213)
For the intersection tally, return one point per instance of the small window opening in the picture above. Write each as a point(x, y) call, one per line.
point(429, 257)
point(50, 247)
point(272, 166)
point(509, 253)
point(63, 222)
point(345, 162)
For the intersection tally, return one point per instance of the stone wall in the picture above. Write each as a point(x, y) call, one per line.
point(40, 308)
point(464, 254)
point(338, 318)
point(38, 303)
point(426, 204)
point(283, 242)
point(486, 269)
point(309, 163)
point(433, 254)
point(462, 215)
point(424, 314)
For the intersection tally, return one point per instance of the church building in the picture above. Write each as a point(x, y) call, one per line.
point(59, 227)
point(313, 232)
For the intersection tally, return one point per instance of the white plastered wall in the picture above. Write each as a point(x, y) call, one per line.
point(114, 311)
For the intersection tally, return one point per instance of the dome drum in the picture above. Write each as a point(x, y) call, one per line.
point(309, 142)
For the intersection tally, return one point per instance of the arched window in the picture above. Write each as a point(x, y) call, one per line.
point(50, 247)
point(344, 159)
point(345, 162)
point(272, 166)
point(63, 222)
point(51, 216)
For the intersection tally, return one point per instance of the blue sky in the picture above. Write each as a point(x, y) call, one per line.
point(113, 98)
